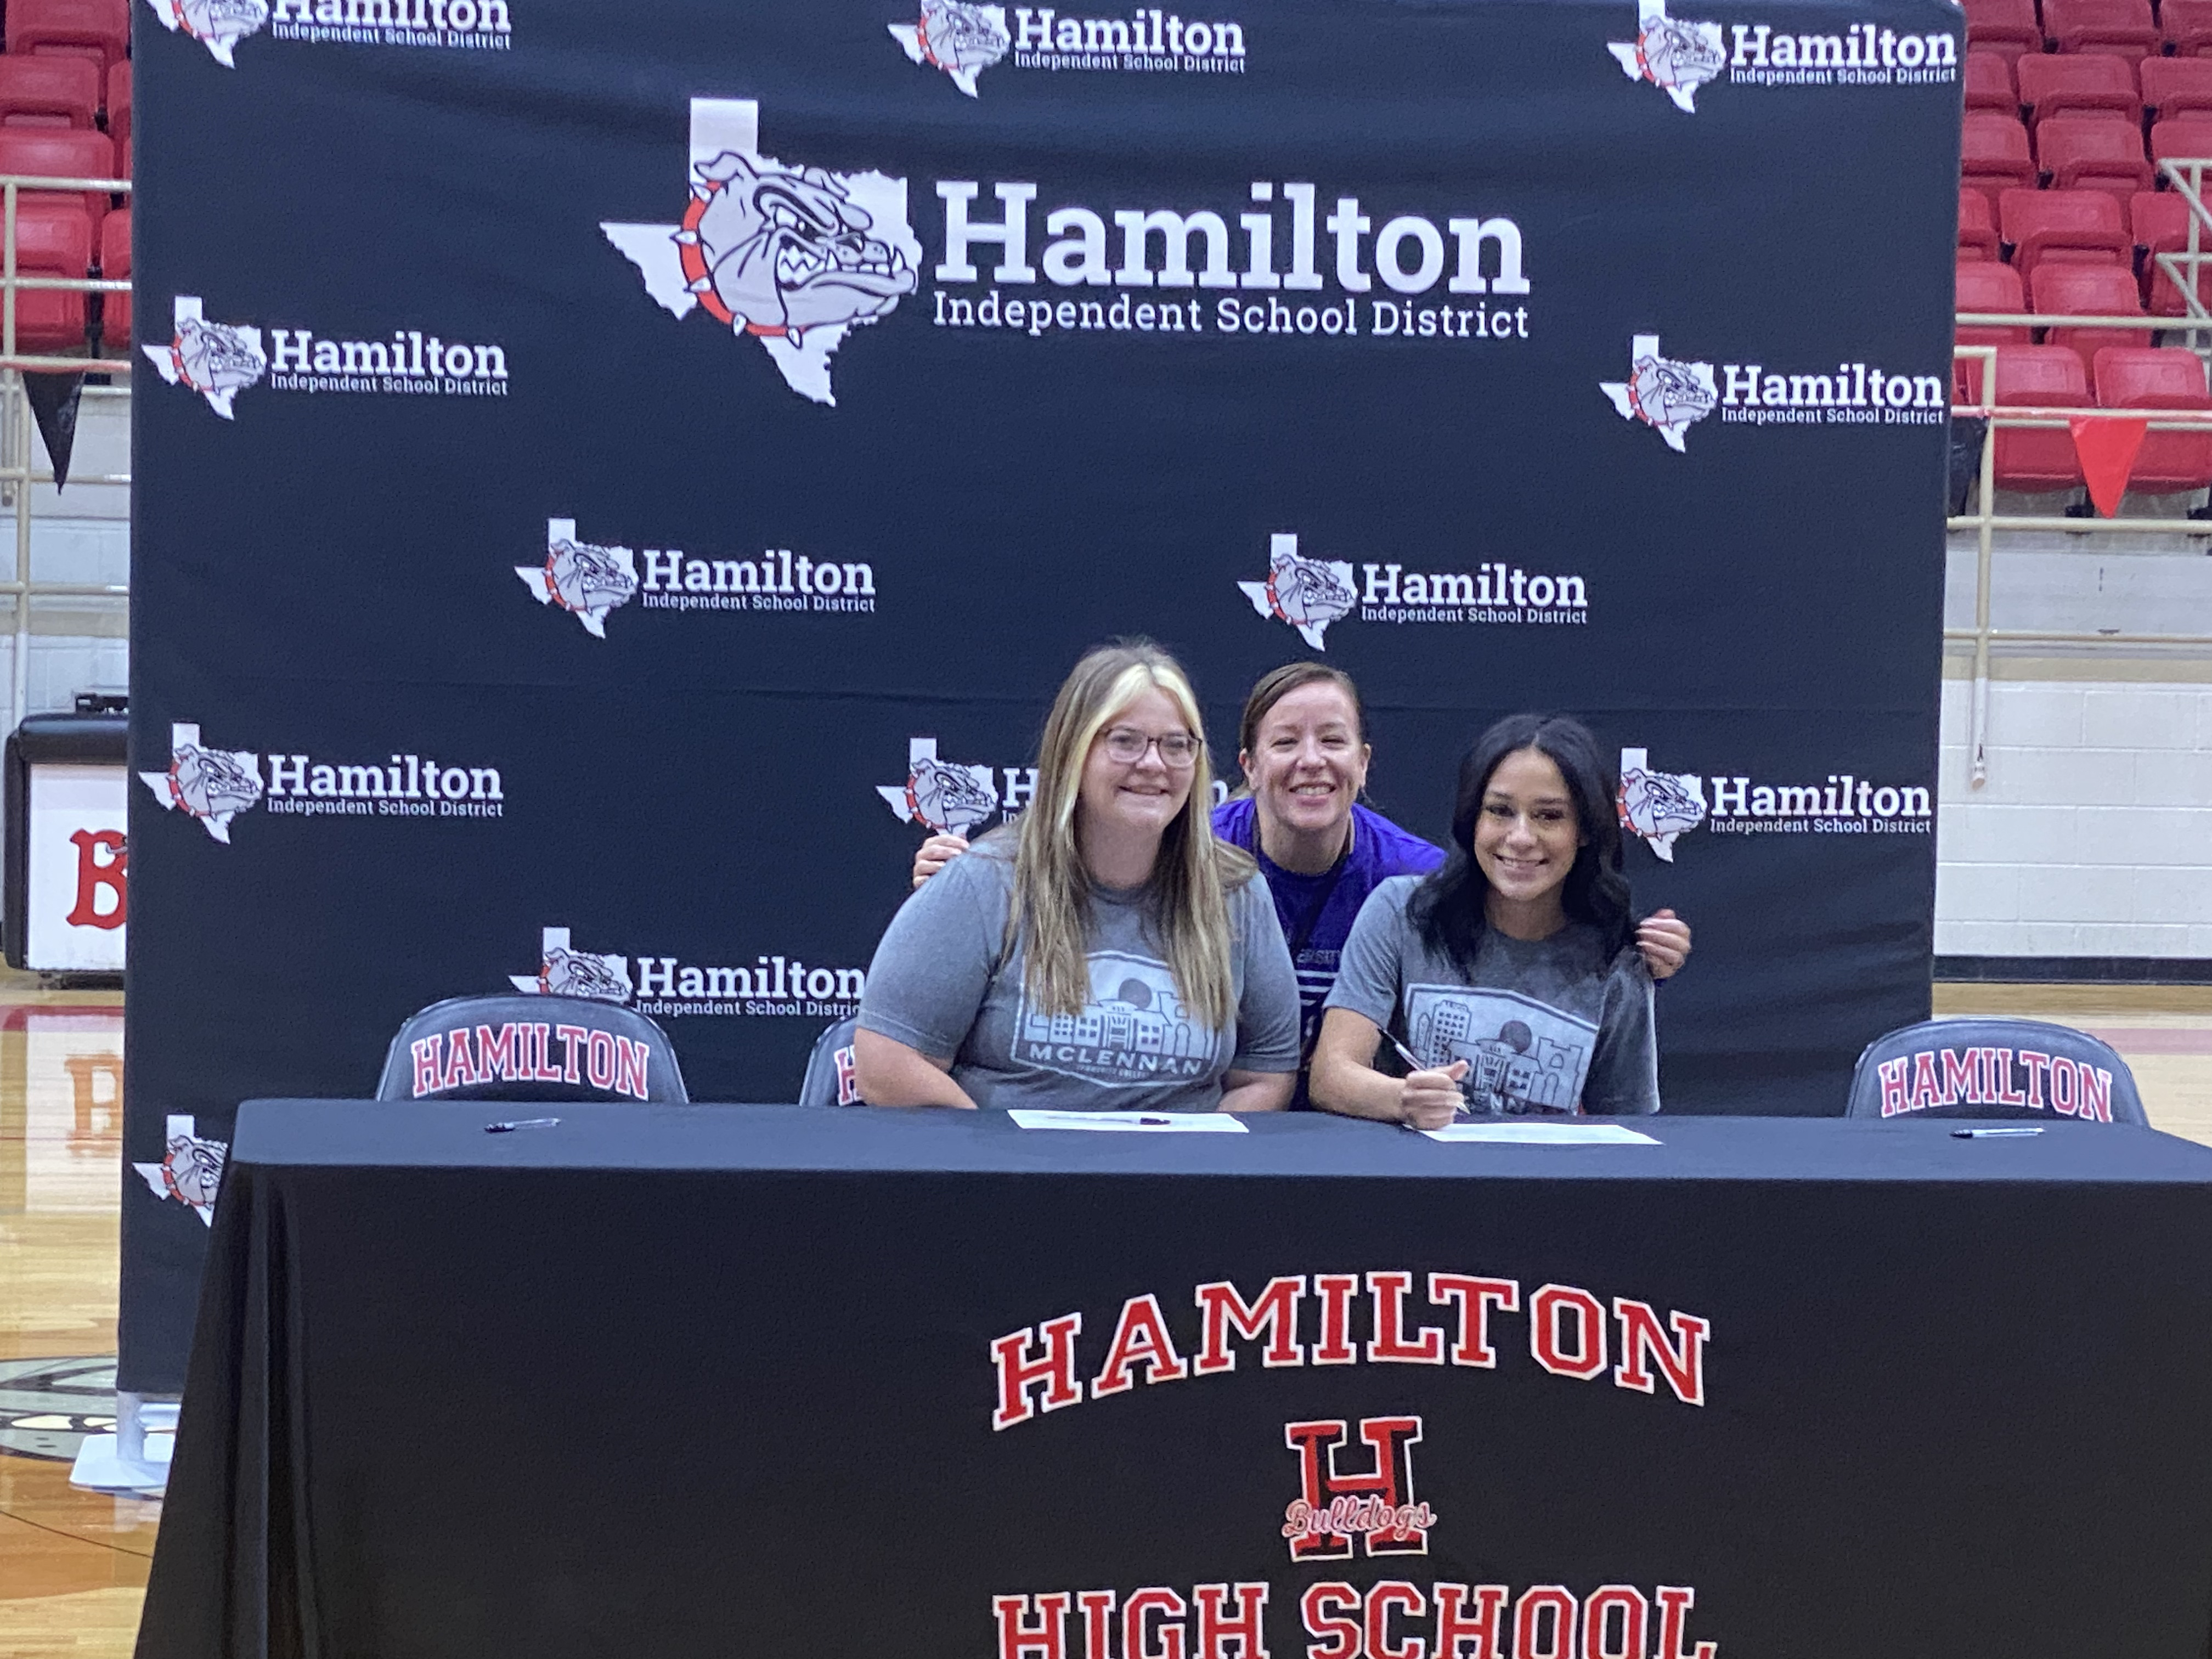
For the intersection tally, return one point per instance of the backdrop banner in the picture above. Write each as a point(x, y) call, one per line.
point(612, 478)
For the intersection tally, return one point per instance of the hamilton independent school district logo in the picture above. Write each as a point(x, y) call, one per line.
point(1307, 593)
point(1672, 53)
point(1661, 392)
point(962, 40)
point(1658, 805)
point(792, 257)
point(218, 25)
point(216, 360)
point(945, 797)
point(582, 579)
point(212, 785)
point(191, 1170)
point(563, 971)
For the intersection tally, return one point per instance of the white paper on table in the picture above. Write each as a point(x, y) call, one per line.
point(1525, 1133)
point(1155, 1123)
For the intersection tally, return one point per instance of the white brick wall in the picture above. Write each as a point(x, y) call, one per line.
point(2092, 836)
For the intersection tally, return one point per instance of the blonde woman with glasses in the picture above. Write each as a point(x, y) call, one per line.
point(1106, 953)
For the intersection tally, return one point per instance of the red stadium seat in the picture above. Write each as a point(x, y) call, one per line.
point(1989, 82)
point(2007, 28)
point(1986, 286)
point(2167, 377)
point(2055, 85)
point(115, 265)
point(2057, 290)
point(2093, 152)
point(2187, 25)
point(2083, 226)
point(2182, 138)
point(1977, 226)
point(53, 238)
point(48, 92)
point(61, 156)
point(1993, 152)
point(119, 107)
point(2034, 459)
point(2121, 28)
point(2159, 222)
point(96, 29)
point(2175, 86)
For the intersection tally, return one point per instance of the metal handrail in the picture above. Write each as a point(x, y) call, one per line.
point(21, 475)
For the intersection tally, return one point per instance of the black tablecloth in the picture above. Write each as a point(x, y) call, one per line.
point(676, 1381)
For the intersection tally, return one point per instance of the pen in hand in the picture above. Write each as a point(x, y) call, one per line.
point(1419, 1065)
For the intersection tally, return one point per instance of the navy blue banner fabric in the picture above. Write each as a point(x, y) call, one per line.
point(609, 479)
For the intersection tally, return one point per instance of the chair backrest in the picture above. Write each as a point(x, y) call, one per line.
point(2001, 1068)
point(519, 1047)
point(2150, 377)
point(831, 1079)
point(2173, 86)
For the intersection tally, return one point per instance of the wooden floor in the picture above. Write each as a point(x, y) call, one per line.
point(73, 1564)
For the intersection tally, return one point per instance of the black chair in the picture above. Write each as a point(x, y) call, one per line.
point(1993, 1068)
point(830, 1078)
point(519, 1047)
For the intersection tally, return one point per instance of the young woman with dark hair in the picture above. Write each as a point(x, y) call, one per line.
point(1301, 744)
point(1511, 973)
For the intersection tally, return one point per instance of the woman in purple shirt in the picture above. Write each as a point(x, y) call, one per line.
point(1302, 744)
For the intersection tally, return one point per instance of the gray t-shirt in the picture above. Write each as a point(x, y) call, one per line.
point(1544, 1025)
point(938, 985)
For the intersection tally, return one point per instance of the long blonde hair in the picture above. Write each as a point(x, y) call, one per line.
point(1187, 898)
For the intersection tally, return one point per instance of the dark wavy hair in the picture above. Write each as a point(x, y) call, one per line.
point(1447, 907)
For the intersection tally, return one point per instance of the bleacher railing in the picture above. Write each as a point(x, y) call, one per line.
point(19, 445)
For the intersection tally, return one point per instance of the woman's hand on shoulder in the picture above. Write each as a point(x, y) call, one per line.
point(1662, 938)
point(940, 850)
point(1431, 1099)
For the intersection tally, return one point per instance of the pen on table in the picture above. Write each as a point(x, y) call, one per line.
point(1158, 1122)
point(520, 1123)
point(1996, 1135)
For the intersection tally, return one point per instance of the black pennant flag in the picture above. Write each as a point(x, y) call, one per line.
point(54, 402)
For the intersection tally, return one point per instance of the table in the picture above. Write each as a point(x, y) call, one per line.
point(693, 1381)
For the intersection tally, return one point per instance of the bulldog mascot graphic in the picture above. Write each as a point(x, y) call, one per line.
point(564, 971)
point(1672, 53)
point(584, 579)
point(218, 25)
point(212, 785)
point(1307, 593)
point(191, 1170)
point(1663, 393)
point(944, 797)
point(1658, 805)
point(962, 40)
point(792, 257)
point(216, 360)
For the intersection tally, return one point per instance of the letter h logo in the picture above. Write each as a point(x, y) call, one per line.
point(1377, 1503)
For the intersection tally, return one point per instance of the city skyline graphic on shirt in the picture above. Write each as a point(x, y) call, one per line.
point(1523, 1056)
point(1133, 1030)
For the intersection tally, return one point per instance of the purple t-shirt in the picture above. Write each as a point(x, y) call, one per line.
point(1379, 850)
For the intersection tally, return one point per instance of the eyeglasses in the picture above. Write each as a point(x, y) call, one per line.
point(1178, 749)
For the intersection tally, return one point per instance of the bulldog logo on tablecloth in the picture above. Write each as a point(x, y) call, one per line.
point(962, 40)
point(212, 785)
point(1374, 1504)
point(580, 578)
point(191, 1169)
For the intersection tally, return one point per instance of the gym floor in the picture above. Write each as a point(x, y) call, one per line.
point(73, 1564)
